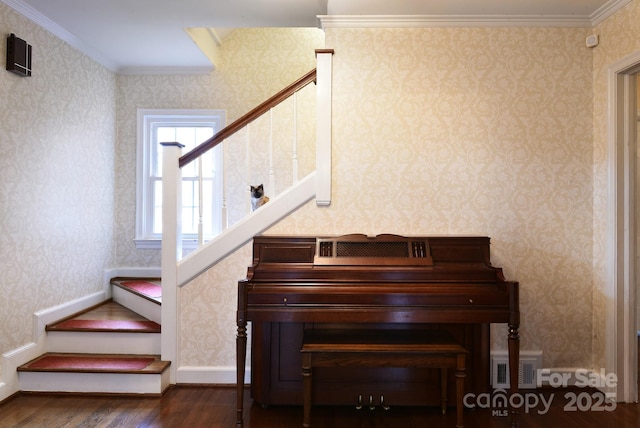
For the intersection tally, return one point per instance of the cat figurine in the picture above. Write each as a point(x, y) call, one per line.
point(258, 198)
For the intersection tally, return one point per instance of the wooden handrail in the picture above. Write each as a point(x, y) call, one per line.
point(252, 115)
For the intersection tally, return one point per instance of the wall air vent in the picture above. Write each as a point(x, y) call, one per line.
point(530, 363)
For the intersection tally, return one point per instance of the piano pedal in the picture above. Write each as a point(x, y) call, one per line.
point(382, 403)
point(371, 406)
point(359, 405)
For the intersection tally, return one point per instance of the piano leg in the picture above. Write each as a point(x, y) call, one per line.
point(514, 361)
point(306, 383)
point(241, 357)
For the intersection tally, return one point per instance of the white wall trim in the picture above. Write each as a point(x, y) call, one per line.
point(195, 70)
point(607, 9)
point(621, 355)
point(452, 21)
point(13, 359)
point(133, 272)
point(419, 21)
point(44, 22)
point(49, 315)
point(214, 375)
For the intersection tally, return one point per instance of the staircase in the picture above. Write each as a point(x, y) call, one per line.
point(111, 348)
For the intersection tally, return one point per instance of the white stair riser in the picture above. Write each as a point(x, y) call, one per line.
point(103, 342)
point(117, 383)
point(140, 305)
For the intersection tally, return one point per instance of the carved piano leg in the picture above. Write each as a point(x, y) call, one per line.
point(514, 361)
point(241, 356)
point(443, 390)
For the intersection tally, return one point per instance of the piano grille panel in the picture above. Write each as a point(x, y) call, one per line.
point(372, 249)
point(355, 249)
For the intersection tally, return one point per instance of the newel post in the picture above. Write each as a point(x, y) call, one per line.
point(324, 67)
point(171, 252)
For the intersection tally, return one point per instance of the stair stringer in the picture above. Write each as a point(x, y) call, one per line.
point(242, 232)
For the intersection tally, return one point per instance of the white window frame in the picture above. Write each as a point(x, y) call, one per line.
point(148, 120)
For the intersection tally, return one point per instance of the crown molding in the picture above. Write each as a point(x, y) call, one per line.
point(166, 70)
point(607, 9)
point(44, 22)
point(419, 21)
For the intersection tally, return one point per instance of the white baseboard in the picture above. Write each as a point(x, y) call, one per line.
point(133, 272)
point(47, 316)
point(11, 360)
point(10, 363)
point(214, 375)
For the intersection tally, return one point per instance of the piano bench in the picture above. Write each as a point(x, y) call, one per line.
point(383, 348)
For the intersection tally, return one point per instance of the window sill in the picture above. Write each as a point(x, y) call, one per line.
point(156, 244)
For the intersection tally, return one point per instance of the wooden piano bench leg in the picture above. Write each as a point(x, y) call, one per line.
point(460, 376)
point(307, 386)
point(443, 390)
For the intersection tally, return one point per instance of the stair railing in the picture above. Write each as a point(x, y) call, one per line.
point(177, 271)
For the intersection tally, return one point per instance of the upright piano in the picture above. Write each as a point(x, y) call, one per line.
point(383, 282)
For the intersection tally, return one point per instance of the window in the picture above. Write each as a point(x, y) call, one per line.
point(190, 128)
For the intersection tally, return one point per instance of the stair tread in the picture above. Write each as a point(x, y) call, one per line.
point(148, 288)
point(96, 363)
point(109, 316)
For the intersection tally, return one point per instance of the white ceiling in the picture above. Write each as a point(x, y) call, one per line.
point(146, 34)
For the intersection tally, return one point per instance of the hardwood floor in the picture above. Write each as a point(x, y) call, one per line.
point(194, 406)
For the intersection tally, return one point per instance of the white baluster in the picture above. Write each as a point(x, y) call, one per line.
point(225, 218)
point(272, 179)
point(247, 169)
point(200, 202)
point(295, 137)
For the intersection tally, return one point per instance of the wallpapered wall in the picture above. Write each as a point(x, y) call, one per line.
point(619, 37)
point(491, 131)
point(57, 145)
point(453, 131)
point(459, 131)
point(254, 64)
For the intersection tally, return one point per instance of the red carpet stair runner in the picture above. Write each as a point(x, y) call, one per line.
point(109, 348)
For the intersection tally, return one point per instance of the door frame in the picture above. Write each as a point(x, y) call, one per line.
point(622, 350)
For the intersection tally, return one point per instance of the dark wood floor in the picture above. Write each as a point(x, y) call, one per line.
point(191, 406)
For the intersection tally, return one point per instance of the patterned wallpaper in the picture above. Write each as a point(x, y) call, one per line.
point(254, 64)
point(57, 144)
point(484, 131)
point(490, 131)
point(619, 37)
point(269, 59)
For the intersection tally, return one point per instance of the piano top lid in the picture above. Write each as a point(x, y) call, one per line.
point(362, 250)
